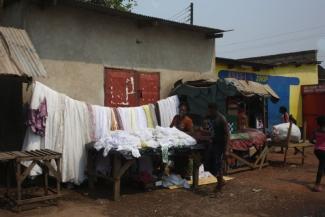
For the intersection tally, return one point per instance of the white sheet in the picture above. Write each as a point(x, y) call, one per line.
point(168, 108)
point(103, 121)
point(133, 118)
point(67, 131)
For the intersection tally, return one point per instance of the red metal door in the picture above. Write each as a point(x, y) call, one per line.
point(149, 88)
point(313, 105)
point(120, 88)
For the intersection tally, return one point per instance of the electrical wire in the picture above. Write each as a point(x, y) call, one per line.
point(272, 36)
point(277, 43)
point(180, 12)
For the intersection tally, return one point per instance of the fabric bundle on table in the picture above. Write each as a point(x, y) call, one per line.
point(130, 143)
point(168, 108)
point(121, 141)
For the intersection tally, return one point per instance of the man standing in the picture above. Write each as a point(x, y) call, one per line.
point(218, 147)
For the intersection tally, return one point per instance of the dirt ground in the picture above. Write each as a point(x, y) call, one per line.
point(274, 191)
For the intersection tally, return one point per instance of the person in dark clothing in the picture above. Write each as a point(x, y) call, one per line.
point(284, 114)
point(319, 141)
point(217, 148)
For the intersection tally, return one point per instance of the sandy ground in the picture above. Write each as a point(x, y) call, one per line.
point(274, 191)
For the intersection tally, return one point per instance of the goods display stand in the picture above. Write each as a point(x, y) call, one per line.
point(120, 164)
point(43, 158)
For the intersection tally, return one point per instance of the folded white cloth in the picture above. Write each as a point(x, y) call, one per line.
point(131, 142)
point(121, 141)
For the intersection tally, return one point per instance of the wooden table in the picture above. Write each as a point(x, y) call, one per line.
point(121, 164)
point(43, 158)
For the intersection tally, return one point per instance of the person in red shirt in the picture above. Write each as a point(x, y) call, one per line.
point(182, 121)
point(319, 141)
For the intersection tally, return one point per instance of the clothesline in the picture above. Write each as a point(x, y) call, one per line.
point(70, 124)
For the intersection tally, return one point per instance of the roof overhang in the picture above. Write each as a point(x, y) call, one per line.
point(250, 88)
point(143, 19)
point(18, 56)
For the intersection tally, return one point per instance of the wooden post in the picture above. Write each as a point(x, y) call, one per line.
point(7, 165)
point(264, 116)
point(117, 178)
point(18, 178)
point(58, 178)
point(46, 183)
point(91, 169)
point(192, 13)
point(196, 167)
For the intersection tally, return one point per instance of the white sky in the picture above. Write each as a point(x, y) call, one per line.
point(261, 27)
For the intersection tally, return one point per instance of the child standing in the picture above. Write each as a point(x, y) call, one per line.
point(319, 141)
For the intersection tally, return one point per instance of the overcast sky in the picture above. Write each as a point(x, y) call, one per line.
point(261, 27)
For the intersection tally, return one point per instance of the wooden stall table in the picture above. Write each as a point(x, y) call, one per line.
point(255, 140)
point(43, 159)
point(120, 164)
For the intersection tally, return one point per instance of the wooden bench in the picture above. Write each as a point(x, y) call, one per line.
point(43, 158)
point(299, 147)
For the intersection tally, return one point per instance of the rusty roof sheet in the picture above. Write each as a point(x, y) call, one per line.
point(18, 55)
point(296, 58)
point(250, 88)
point(139, 17)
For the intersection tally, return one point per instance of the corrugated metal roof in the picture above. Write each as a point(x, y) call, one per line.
point(250, 88)
point(296, 58)
point(139, 17)
point(18, 55)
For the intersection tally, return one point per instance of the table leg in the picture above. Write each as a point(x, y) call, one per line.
point(58, 178)
point(196, 167)
point(91, 170)
point(46, 183)
point(117, 178)
point(18, 179)
point(7, 172)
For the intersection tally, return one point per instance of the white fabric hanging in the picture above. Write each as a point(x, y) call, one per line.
point(141, 118)
point(67, 131)
point(168, 108)
point(76, 136)
point(103, 121)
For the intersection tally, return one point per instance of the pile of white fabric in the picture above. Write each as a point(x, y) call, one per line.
point(168, 108)
point(121, 141)
point(131, 142)
point(172, 137)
